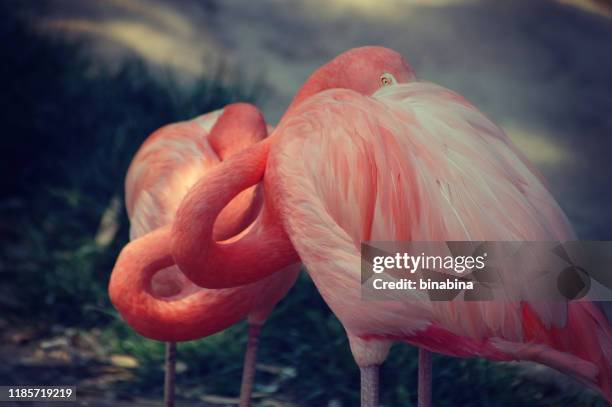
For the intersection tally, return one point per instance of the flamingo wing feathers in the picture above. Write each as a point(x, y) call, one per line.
point(168, 163)
point(418, 162)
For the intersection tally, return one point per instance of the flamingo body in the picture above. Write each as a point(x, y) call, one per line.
point(146, 287)
point(418, 162)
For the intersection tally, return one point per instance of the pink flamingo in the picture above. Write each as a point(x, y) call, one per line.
point(146, 287)
point(366, 152)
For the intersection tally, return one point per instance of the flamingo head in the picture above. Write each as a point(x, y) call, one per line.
point(363, 69)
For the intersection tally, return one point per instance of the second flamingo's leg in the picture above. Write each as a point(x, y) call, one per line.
point(369, 385)
point(170, 375)
point(424, 394)
point(369, 355)
point(248, 371)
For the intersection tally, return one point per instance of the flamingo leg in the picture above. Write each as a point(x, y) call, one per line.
point(248, 371)
point(369, 385)
point(170, 374)
point(424, 394)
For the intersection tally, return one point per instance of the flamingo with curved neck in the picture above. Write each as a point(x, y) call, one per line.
point(365, 152)
point(146, 286)
point(264, 245)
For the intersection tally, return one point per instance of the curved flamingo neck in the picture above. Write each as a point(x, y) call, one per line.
point(239, 126)
point(317, 82)
point(130, 283)
point(186, 316)
point(257, 252)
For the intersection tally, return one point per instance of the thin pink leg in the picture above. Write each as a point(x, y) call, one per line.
point(170, 369)
point(424, 393)
point(248, 371)
point(369, 385)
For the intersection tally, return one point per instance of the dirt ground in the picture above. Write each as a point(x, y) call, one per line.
point(57, 355)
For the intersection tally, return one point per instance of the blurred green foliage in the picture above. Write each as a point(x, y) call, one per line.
point(70, 129)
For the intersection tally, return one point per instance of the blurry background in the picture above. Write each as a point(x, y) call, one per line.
point(84, 82)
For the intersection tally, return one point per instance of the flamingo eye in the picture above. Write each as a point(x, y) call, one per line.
point(386, 79)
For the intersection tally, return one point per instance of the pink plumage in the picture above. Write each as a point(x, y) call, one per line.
point(161, 303)
point(418, 162)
